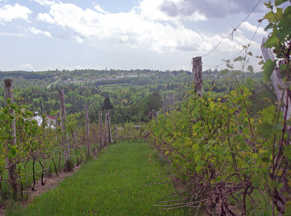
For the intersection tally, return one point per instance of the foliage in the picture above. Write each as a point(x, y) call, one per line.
point(244, 60)
point(280, 37)
point(36, 146)
point(120, 182)
point(215, 147)
point(107, 104)
point(228, 161)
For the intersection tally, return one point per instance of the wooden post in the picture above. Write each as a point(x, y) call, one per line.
point(8, 93)
point(63, 126)
point(172, 102)
point(105, 129)
point(116, 137)
point(100, 129)
point(157, 116)
point(63, 109)
point(109, 127)
point(87, 132)
point(284, 102)
point(75, 137)
point(267, 52)
point(57, 116)
point(164, 107)
point(277, 80)
point(197, 75)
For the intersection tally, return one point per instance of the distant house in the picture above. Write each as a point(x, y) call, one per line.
point(132, 76)
point(119, 77)
point(50, 120)
point(67, 80)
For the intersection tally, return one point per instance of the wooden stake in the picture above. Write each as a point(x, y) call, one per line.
point(63, 125)
point(57, 116)
point(172, 102)
point(277, 80)
point(197, 75)
point(164, 107)
point(109, 127)
point(157, 116)
point(100, 129)
point(63, 109)
point(8, 93)
point(87, 132)
point(105, 130)
point(153, 114)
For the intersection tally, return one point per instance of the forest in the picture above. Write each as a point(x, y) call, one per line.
point(130, 102)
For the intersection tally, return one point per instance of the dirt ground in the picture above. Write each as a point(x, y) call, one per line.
point(50, 183)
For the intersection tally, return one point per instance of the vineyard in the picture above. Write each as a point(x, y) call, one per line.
point(230, 161)
point(31, 151)
point(226, 144)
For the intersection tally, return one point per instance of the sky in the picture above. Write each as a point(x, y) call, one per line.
point(41, 35)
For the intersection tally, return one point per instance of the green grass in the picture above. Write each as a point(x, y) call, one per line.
point(28, 182)
point(117, 183)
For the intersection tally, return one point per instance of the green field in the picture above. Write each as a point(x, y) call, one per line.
point(119, 182)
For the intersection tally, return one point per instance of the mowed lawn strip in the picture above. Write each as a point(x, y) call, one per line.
point(119, 182)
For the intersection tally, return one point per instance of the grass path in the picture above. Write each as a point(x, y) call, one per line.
point(117, 183)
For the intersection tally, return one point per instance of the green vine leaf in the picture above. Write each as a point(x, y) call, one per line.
point(251, 69)
point(279, 2)
point(285, 28)
point(271, 42)
point(268, 68)
point(240, 58)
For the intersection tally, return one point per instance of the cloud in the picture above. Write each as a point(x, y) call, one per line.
point(9, 13)
point(27, 67)
point(134, 28)
point(208, 8)
point(45, 17)
point(99, 9)
point(79, 40)
point(44, 2)
point(249, 27)
point(154, 10)
point(37, 31)
point(139, 28)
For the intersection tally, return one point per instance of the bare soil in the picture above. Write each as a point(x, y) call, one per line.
point(50, 183)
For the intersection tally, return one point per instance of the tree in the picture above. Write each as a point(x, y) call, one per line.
point(107, 104)
point(153, 102)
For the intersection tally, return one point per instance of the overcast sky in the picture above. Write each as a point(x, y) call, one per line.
point(124, 34)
